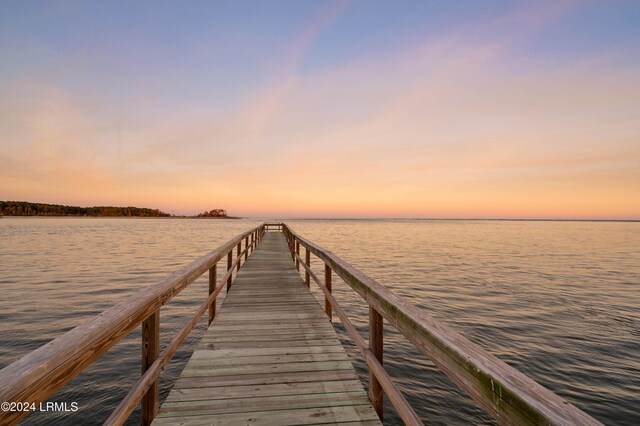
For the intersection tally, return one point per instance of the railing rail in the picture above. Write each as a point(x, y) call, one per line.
point(39, 374)
point(273, 227)
point(508, 395)
point(380, 379)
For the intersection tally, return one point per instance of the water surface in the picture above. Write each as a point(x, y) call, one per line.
point(559, 301)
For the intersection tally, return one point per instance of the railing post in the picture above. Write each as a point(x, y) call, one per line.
point(246, 248)
point(229, 263)
point(150, 352)
point(238, 251)
point(327, 283)
point(307, 260)
point(375, 345)
point(298, 253)
point(212, 288)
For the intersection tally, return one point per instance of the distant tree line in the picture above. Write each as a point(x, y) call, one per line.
point(214, 213)
point(22, 208)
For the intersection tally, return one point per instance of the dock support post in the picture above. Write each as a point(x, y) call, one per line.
point(239, 250)
point(307, 260)
point(229, 263)
point(246, 248)
point(327, 283)
point(212, 288)
point(150, 352)
point(376, 346)
point(292, 247)
point(298, 253)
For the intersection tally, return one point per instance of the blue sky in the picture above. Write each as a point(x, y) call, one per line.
point(490, 100)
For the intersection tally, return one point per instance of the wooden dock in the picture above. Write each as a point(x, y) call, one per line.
point(271, 356)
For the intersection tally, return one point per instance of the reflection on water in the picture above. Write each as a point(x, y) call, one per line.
point(559, 301)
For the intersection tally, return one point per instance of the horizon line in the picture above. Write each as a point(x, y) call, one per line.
point(275, 218)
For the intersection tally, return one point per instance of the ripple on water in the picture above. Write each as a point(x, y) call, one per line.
point(557, 300)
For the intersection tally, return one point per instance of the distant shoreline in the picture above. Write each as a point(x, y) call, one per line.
point(121, 217)
point(29, 209)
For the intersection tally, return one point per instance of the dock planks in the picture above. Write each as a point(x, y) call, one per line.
point(271, 357)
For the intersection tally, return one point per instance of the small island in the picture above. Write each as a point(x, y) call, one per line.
point(216, 214)
point(24, 208)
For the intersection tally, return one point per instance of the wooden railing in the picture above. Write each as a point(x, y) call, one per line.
point(273, 227)
point(39, 374)
point(508, 395)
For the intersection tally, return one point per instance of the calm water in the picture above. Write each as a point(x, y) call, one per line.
point(560, 301)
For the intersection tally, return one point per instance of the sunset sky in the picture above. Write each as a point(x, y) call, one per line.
point(484, 109)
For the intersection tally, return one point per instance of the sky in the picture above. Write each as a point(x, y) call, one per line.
point(429, 109)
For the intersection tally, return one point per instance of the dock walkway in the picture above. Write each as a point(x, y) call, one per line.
point(270, 357)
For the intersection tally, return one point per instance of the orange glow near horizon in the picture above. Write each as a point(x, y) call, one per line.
point(591, 197)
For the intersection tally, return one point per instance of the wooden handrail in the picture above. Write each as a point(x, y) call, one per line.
point(42, 372)
point(509, 396)
point(273, 226)
point(128, 404)
point(405, 411)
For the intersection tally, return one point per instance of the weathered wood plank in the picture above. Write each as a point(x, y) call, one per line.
point(274, 324)
point(292, 308)
point(268, 359)
point(274, 315)
point(215, 370)
point(263, 403)
point(241, 337)
point(222, 353)
point(277, 389)
point(307, 416)
point(272, 344)
point(285, 334)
